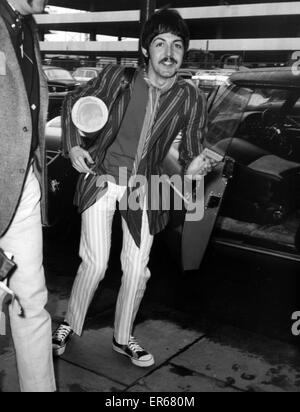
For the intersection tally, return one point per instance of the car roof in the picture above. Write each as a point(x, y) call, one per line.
point(87, 68)
point(214, 72)
point(286, 77)
point(54, 67)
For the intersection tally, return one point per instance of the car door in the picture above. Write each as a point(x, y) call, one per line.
point(191, 235)
point(225, 116)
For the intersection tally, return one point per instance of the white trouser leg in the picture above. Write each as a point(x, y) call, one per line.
point(31, 334)
point(135, 276)
point(94, 252)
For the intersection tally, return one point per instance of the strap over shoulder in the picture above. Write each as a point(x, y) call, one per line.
point(128, 76)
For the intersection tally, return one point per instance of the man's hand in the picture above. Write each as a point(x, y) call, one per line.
point(200, 166)
point(80, 159)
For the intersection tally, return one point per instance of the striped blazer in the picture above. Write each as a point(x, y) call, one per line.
point(183, 109)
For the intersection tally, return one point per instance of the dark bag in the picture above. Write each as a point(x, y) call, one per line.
point(7, 266)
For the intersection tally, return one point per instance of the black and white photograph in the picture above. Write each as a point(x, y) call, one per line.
point(149, 198)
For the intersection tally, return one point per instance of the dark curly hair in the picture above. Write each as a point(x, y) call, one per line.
point(165, 21)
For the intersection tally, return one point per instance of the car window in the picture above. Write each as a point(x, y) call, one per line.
point(267, 122)
point(79, 73)
point(266, 97)
point(58, 74)
point(91, 74)
point(225, 115)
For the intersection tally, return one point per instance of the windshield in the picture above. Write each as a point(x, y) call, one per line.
point(79, 73)
point(91, 74)
point(226, 114)
point(264, 116)
point(58, 74)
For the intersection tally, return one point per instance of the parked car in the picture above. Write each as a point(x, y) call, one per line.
point(53, 136)
point(60, 82)
point(61, 183)
point(254, 122)
point(211, 81)
point(85, 74)
point(187, 73)
point(252, 198)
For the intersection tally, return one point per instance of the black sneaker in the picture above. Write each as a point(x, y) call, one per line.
point(138, 355)
point(60, 338)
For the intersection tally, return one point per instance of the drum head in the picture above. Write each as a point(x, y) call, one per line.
point(89, 114)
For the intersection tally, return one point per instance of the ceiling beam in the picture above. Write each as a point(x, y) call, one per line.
point(131, 47)
point(105, 5)
point(189, 13)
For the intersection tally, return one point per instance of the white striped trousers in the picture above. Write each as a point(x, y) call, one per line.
point(94, 252)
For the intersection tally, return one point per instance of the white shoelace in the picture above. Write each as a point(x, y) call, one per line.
point(134, 345)
point(62, 332)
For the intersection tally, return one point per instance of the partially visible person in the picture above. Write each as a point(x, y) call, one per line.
point(23, 113)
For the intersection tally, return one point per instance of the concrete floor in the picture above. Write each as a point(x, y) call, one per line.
point(193, 354)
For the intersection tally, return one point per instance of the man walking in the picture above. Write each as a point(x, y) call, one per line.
point(23, 112)
point(143, 122)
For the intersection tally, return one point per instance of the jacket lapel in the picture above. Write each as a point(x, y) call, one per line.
point(7, 47)
point(43, 82)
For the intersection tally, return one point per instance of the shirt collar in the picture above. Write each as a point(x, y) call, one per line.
point(12, 17)
point(163, 89)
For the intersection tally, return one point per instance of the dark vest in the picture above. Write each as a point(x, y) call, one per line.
point(122, 152)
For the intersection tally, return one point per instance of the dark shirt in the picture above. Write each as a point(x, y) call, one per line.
point(122, 152)
point(21, 29)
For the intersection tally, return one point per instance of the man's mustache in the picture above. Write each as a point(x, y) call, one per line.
point(169, 60)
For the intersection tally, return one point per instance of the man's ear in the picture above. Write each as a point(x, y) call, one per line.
point(145, 53)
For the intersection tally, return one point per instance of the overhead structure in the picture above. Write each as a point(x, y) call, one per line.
point(244, 20)
point(269, 28)
point(113, 5)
